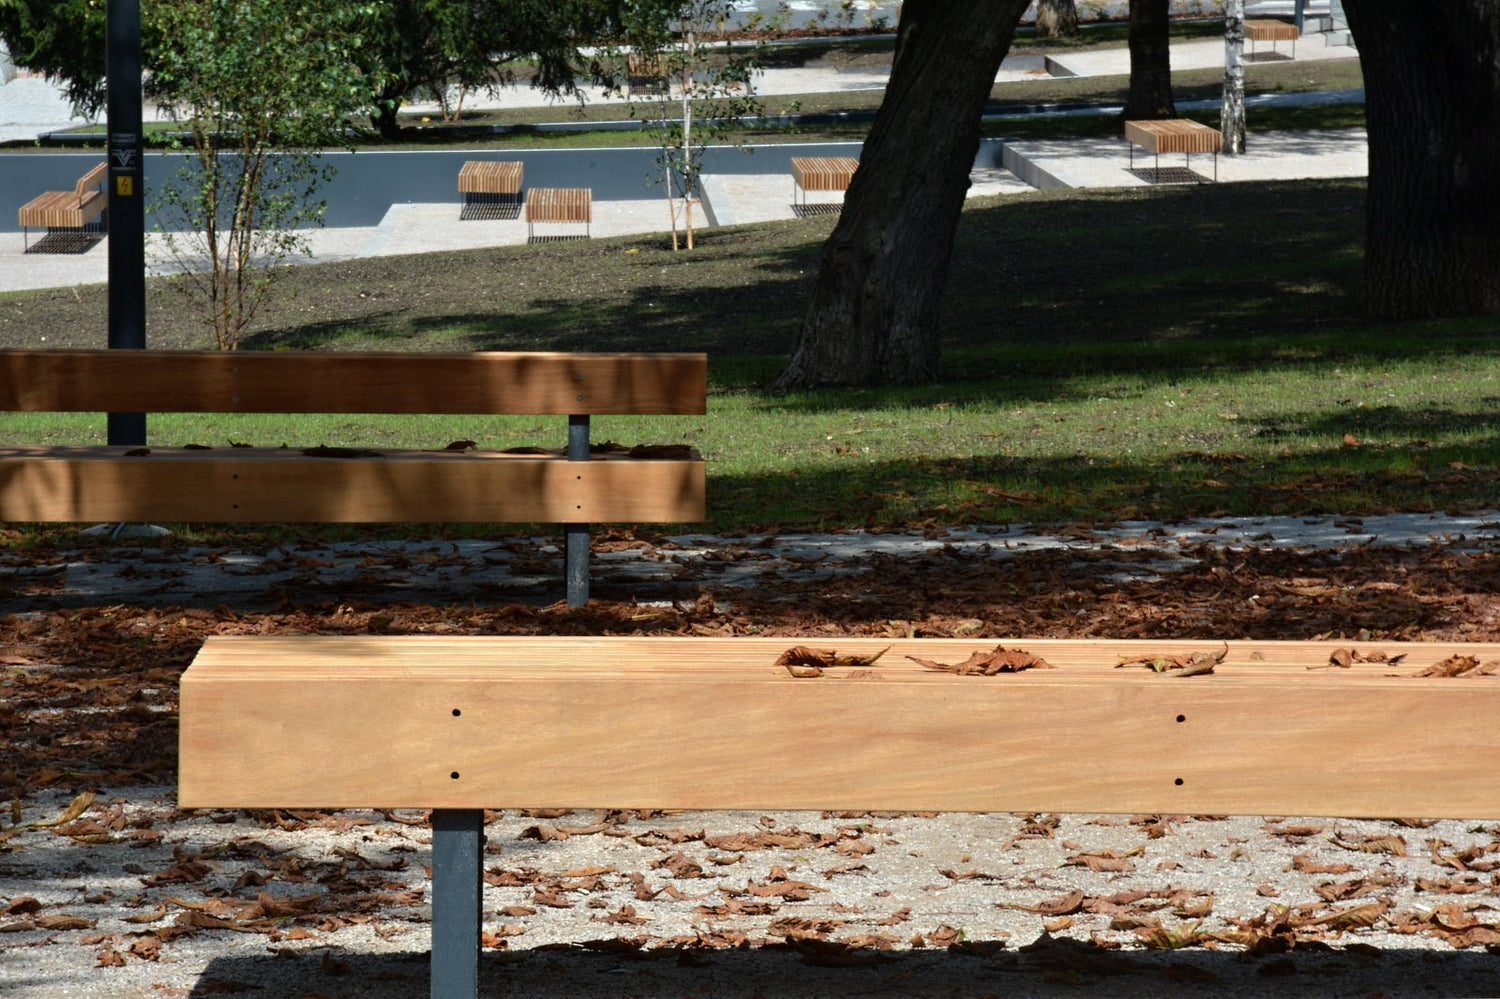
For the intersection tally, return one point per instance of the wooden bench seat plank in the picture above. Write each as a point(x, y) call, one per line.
point(82, 484)
point(490, 177)
point(270, 382)
point(623, 722)
point(823, 173)
point(1269, 29)
point(1177, 135)
point(559, 204)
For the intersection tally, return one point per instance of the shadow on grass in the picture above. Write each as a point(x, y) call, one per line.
point(1040, 291)
point(836, 492)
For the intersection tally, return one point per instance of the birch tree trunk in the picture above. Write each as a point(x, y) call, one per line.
point(1150, 62)
point(1232, 109)
point(873, 318)
point(1432, 101)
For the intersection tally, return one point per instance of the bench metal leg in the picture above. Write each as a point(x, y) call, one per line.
point(457, 886)
point(576, 536)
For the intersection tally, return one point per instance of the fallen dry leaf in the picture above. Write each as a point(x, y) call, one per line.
point(1193, 664)
point(1393, 845)
point(1000, 660)
point(1461, 665)
point(807, 663)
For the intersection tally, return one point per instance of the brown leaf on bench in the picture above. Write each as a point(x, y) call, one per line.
point(806, 663)
point(138, 452)
point(1001, 660)
point(525, 449)
point(1345, 658)
point(1461, 665)
point(197, 447)
point(323, 451)
point(1193, 664)
point(461, 445)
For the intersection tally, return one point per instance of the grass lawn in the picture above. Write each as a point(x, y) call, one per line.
point(1110, 354)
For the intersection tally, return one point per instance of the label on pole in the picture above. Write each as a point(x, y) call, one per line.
point(125, 186)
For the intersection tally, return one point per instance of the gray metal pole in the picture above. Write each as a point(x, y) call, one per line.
point(457, 887)
point(126, 214)
point(576, 536)
point(1297, 14)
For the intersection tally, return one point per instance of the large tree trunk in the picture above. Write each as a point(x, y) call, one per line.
point(1150, 62)
point(1056, 18)
point(873, 318)
point(1432, 106)
point(1232, 107)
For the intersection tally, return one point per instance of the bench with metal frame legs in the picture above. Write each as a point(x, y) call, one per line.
point(460, 724)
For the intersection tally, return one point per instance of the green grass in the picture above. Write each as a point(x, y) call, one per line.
point(1161, 352)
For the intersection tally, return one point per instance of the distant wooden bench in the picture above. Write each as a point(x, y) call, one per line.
point(570, 486)
point(76, 211)
point(460, 724)
point(821, 173)
point(491, 188)
point(1269, 29)
point(1173, 135)
point(559, 204)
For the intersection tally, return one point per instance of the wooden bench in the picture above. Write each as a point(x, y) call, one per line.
point(77, 211)
point(821, 173)
point(491, 188)
point(1269, 29)
point(459, 724)
point(1173, 135)
point(559, 204)
point(355, 485)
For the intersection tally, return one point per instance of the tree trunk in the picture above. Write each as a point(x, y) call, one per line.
point(873, 318)
point(1056, 19)
point(1150, 62)
point(1432, 104)
point(1232, 108)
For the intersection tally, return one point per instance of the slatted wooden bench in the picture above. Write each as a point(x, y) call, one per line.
point(559, 204)
point(459, 724)
point(354, 485)
point(1173, 135)
point(1269, 29)
point(491, 188)
point(74, 211)
point(821, 173)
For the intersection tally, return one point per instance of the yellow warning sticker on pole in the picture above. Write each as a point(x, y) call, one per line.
point(125, 186)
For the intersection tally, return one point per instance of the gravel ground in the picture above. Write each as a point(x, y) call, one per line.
point(734, 904)
point(106, 889)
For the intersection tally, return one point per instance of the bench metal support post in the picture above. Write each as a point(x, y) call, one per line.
point(457, 887)
point(576, 536)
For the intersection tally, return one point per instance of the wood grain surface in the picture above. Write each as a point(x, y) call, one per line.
point(417, 721)
point(129, 381)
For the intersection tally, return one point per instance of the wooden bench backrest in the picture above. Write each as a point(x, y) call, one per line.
point(92, 179)
point(127, 381)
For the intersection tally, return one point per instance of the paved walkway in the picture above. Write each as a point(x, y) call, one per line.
point(675, 567)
